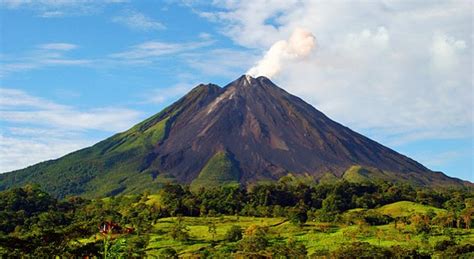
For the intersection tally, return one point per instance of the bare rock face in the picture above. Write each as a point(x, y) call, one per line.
point(270, 133)
point(247, 131)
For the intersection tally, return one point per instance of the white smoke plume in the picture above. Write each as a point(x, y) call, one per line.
point(299, 46)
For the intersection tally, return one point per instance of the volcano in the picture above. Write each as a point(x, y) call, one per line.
point(246, 132)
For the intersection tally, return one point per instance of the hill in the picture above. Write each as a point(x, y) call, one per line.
point(407, 208)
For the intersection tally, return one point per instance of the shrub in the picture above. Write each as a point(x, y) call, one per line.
point(291, 249)
point(255, 239)
point(376, 219)
point(179, 231)
point(323, 227)
point(421, 223)
point(298, 215)
point(233, 234)
point(405, 252)
point(361, 250)
point(168, 252)
point(459, 251)
point(444, 244)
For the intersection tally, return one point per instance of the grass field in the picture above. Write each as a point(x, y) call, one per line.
point(315, 236)
point(407, 208)
point(318, 237)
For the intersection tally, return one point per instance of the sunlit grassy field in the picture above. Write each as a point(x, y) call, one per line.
point(317, 237)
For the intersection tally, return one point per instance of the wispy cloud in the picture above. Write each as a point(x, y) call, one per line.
point(152, 49)
point(58, 46)
point(19, 151)
point(62, 54)
point(166, 94)
point(59, 8)
point(20, 107)
point(221, 62)
point(138, 21)
point(49, 54)
point(44, 129)
point(11, 99)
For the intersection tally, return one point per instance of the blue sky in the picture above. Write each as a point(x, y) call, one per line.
point(74, 72)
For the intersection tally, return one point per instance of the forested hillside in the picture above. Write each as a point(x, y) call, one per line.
point(287, 218)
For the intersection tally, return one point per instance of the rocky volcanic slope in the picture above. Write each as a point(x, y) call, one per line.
point(248, 131)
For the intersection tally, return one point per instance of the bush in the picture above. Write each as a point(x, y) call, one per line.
point(323, 216)
point(323, 227)
point(361, 250)
point(179, 231)
point(168, 252)
point(421, 223)
point(459, 251)
point(298, 215)
point(444, 244)
point(255, 239)
point(136, 245)
point(376, 219)
point(291, 249)
point(210, 252)
point(234, 234)
point(404, 252)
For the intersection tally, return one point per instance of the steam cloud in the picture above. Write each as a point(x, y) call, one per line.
point(297, 47)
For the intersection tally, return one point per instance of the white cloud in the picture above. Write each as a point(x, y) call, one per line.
point(152, 49)
point(52, 14)
point(62, 54)
point(205, 36)
point(446, 51)
point(66, 62)
point(58, 46)
point(138, 21)
point(221, 62)
point(246, 22)
point(401, 70)
point(49, 54)
point(59, 8)
point(167, 94)
point(45, 130)
point(19, 107)
point(20, 151)
point(13, 98)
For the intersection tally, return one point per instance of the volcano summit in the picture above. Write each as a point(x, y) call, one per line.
point(248, 131)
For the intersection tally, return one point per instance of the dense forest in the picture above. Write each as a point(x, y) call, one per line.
point(288, 218)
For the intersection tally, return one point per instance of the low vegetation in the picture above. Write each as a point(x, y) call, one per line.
point(285, 219)
point(219, 170)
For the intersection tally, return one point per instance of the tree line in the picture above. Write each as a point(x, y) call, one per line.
point(32, 222)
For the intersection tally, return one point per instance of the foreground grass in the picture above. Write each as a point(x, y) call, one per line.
point(316, 236)
point(199, 232)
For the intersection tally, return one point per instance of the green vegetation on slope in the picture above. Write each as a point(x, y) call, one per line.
point(328, 178)
point(361, 174)
point(406, 209)
point(121, 164)
point(136, 138)
point(110, 167)
point(219, 170)
point(358, 173)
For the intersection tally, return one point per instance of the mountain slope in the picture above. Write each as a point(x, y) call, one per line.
point(220, 169)
point(268, 132)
